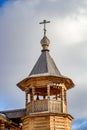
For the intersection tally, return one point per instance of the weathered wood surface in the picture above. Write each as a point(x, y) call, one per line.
point(45, 105)
point(47, 122)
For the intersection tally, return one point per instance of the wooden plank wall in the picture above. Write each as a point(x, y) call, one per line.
point(36, 123)
point(60, 123)
point(47, 123)
point(26, 122)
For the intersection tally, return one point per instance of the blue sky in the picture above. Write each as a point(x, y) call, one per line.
point(2, 2)
point(20, 35)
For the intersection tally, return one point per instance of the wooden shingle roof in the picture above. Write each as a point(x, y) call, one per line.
point(45, 65)
point(14, 113)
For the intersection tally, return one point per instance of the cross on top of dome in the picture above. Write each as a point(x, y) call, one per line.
point(45, 41)
point(44, 22)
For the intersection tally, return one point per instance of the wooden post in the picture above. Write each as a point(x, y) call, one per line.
point(61, 99)
point(48, 93)
point(65, 100)
point(32, 98)
point(26, 98)
point(62, 96)
point(65, 96)
point(26, 94)
point(33, 92)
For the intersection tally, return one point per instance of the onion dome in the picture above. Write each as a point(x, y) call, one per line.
point(45, 43)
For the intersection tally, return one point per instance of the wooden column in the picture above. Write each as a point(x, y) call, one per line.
point(26, 98)
point(61, 99)
point(32, 98)
point(62, 96)
point(26, 94)
point(33, 93)
point(65, 99)
point(48, 93)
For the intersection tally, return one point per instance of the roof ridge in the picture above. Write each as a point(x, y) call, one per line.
point(52, 65)
point(45, 65)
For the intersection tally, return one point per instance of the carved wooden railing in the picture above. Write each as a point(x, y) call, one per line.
point(37, 106)
point(55, 106)
point(44, 105)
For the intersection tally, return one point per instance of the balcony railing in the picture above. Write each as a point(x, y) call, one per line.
point(45, 105)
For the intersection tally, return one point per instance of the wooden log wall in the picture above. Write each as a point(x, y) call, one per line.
point(46, 122)
point(36, 123)
point(60, 123)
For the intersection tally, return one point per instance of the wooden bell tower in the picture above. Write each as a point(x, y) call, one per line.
point(45, 89)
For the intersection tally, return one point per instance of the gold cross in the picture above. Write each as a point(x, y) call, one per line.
point(44, 22)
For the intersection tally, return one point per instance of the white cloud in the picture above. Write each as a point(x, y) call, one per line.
point(70, 30)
